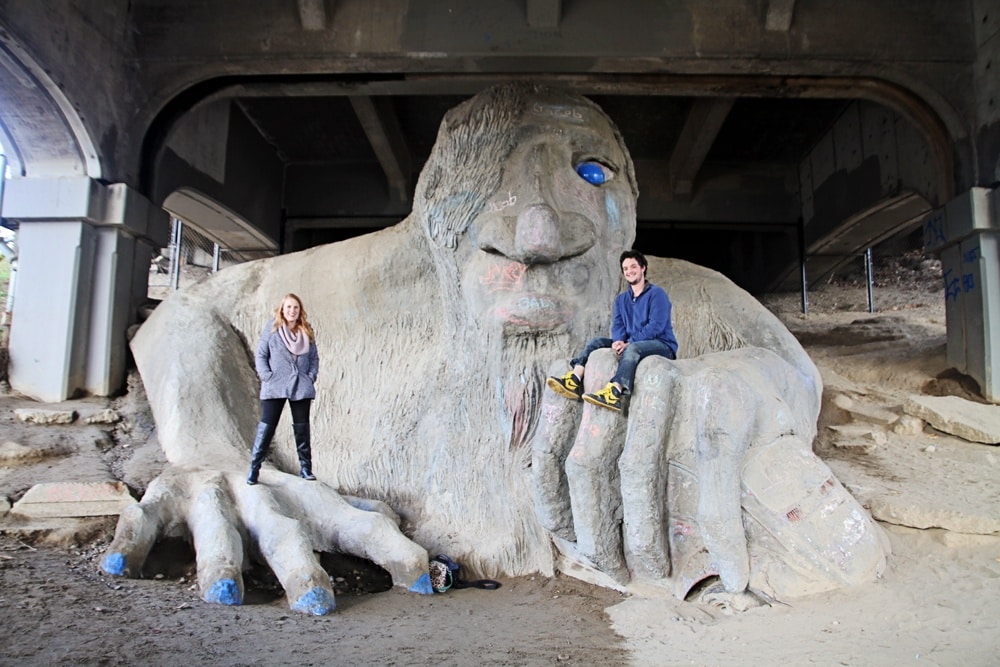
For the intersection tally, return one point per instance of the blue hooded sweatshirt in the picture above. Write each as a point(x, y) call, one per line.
point(643, 317)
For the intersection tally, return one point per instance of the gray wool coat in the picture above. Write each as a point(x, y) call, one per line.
point(281, 373)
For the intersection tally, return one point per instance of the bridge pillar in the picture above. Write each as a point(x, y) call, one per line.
point(84, 250)
point(966, 233)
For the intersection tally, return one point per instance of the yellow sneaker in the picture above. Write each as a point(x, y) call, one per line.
point(610, 397)
point(568, 386)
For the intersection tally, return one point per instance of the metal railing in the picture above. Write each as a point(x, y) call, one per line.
point(190, 257)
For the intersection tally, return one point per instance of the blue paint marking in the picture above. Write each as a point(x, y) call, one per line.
point(934, 232)
point(317, 602)
point(952, 287)
point(955, 285)
point(114, 564)
point(452, 217)
point(224, 591)
point(611, 206)
point(423, 585)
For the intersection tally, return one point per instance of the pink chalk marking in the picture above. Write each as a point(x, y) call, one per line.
point(504, 276)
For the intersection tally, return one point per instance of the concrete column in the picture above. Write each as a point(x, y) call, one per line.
point(47, 336)
point(120, 281)
point(966, 233)
point(84, 252)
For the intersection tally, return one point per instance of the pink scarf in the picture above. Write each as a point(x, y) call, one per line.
point(296, 344)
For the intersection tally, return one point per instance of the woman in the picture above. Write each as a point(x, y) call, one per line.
point(287, 364)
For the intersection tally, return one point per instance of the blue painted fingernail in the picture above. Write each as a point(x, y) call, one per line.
point(317, 602)
point(423, 585)
point(114, 564)
point(224, 591)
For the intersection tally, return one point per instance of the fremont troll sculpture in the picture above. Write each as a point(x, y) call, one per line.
point(435, 338)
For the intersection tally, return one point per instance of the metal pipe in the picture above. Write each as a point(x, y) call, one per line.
point(869, 280)
point(802, 267)
point(175, 254)
point(216, 254)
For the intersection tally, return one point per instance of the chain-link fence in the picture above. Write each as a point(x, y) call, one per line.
point(190, 257)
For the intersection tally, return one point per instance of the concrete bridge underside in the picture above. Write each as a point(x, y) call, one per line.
point(771, 139)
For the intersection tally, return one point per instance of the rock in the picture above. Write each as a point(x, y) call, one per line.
point(105, 416)
point(4, 505)
point(957, 416)
point(45, 416)
point(858, 436)
point(843, 401)
point(908, 425)
point(73, 499)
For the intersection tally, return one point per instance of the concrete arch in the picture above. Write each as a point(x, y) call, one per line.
point(43, 134)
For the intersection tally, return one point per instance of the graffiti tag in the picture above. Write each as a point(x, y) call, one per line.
point(493, 207)
point(565, 113)
point(934, 233)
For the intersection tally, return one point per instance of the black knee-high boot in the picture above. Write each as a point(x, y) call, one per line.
point(304, 450)
point(261, 445)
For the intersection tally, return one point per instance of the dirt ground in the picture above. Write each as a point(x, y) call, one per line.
point(936, 604)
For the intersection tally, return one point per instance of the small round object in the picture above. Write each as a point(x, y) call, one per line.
point(592, 172)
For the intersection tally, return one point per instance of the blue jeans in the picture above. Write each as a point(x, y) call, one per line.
point(633, 354)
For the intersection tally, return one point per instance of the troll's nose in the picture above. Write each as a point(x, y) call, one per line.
point(536, 235)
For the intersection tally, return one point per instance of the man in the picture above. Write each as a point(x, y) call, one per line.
point(641, 327)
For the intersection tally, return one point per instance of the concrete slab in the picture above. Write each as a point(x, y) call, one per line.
point(60, 532)
point(864, 412)
point(890, 510)
point(953, 484)
point(957, 416)
point(872, 415)
point(12, 451)
point(45, 415)
point(73, 499)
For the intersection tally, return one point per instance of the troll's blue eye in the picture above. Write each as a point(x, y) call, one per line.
point(594, 173)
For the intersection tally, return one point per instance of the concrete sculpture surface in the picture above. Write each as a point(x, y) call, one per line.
point(435, 337)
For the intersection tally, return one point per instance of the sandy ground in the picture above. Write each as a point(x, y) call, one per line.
point(937, 603)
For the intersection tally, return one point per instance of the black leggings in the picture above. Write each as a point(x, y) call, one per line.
point(270, 409)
